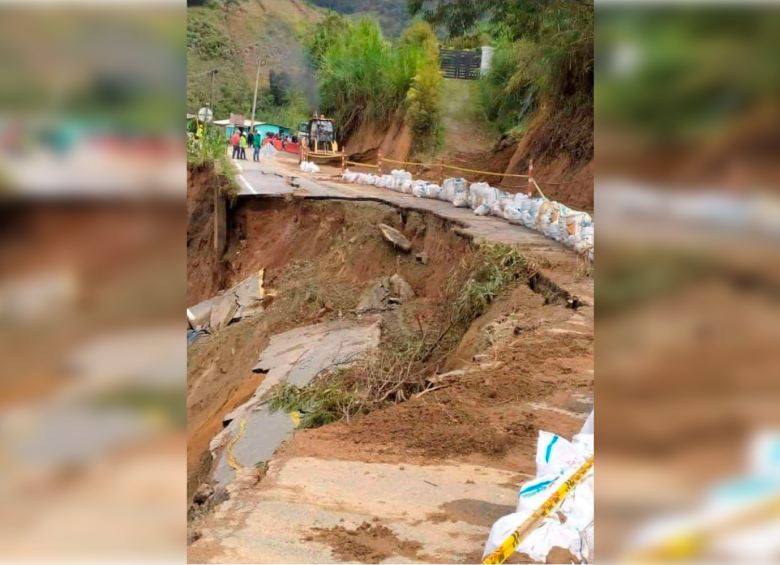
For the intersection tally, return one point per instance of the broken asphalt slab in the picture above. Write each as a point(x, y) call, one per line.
point(239, 301)
point(252, 431)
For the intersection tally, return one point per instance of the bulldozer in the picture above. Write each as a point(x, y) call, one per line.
point(318, 137)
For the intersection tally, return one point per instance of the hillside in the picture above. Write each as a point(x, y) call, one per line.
point(392, 15)
point(232, 36)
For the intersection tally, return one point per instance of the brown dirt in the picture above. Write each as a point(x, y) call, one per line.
point(560, 179)
point(338, 245)
point(483, 417)
point(394, 140)
point(368, 543)
point(205, 273)
point(318, 257)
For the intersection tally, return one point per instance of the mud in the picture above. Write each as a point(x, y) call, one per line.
point(205, 270)
point(318, 256)
point(368, 543)
point(489, 415)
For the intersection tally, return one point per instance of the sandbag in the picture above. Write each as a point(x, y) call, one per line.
point(572, 525)
point(461, 200)
point(308, 167)
point(451, 188)
point(482, 210)
point(512, 215)
point(481, 192)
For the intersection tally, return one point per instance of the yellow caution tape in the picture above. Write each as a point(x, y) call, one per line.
point(362, 164)
point(509, 545)
point(691, 544)
point(455, 168)
point(485, 172)
point(230, 457)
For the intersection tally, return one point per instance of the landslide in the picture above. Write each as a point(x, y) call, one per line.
point(319, 257)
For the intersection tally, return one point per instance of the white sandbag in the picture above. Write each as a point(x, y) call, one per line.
point(418, 188)
point(512, 215)
point(539, 542)
point(461, 200)
point(482, 210)
point(431, 190)
point(520, 201)
point(480, 193)
point(557, 459)
point(451, 188)
point(497, 209)
point(406, 186)
point(400, 175)
point(386, 181)
point(554, 453)
point(307, 166)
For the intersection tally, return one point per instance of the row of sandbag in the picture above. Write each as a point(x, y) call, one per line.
point(572, 525)
point(556, 221)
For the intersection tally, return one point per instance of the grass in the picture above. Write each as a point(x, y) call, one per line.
point(364, 78)
point(320, 403)
point(399, 369)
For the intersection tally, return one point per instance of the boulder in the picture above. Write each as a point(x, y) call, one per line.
point(400, 288)
point(375, 297)
point(222, 313)
point(396, 238)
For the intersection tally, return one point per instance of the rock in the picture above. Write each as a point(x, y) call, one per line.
point(204, 492)
point(222, 313)
point(422, 258)
point(249, 294)
point(452, 375)
point(375, 297)
point(396, 238)
point(400, 288)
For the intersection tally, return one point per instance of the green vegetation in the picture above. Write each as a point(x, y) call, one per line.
point(498, 266)
point(318, 405)
point(543, 61)
point(219, 34)
point(679, 75)
point(392, 15)
point(209, 45)
point(400, 368)
point(363, 77)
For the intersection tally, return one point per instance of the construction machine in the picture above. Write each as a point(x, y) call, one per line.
point(318, 137)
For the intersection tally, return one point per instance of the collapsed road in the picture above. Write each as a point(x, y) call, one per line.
point(414, 481)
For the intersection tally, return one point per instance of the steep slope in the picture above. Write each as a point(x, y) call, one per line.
point(233, 38)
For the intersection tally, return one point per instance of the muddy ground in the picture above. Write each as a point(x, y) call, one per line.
point(318, 257)
point(526, 364)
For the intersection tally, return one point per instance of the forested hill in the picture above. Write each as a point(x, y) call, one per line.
point(393, 15)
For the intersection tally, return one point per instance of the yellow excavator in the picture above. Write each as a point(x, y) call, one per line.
point(318, 137)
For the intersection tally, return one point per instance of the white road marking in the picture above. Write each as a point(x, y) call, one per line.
point(246, 184)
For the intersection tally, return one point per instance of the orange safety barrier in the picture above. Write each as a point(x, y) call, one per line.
point(289, 147)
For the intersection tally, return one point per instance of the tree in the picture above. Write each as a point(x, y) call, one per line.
point(280, 85)
point(324, 35)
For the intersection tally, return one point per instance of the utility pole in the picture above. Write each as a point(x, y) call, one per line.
point(213, 73)
point(260, 63)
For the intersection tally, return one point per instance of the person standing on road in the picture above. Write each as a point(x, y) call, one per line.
point(257, 143)
point(242, 144)
point(250, 139)
point(234, 141)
